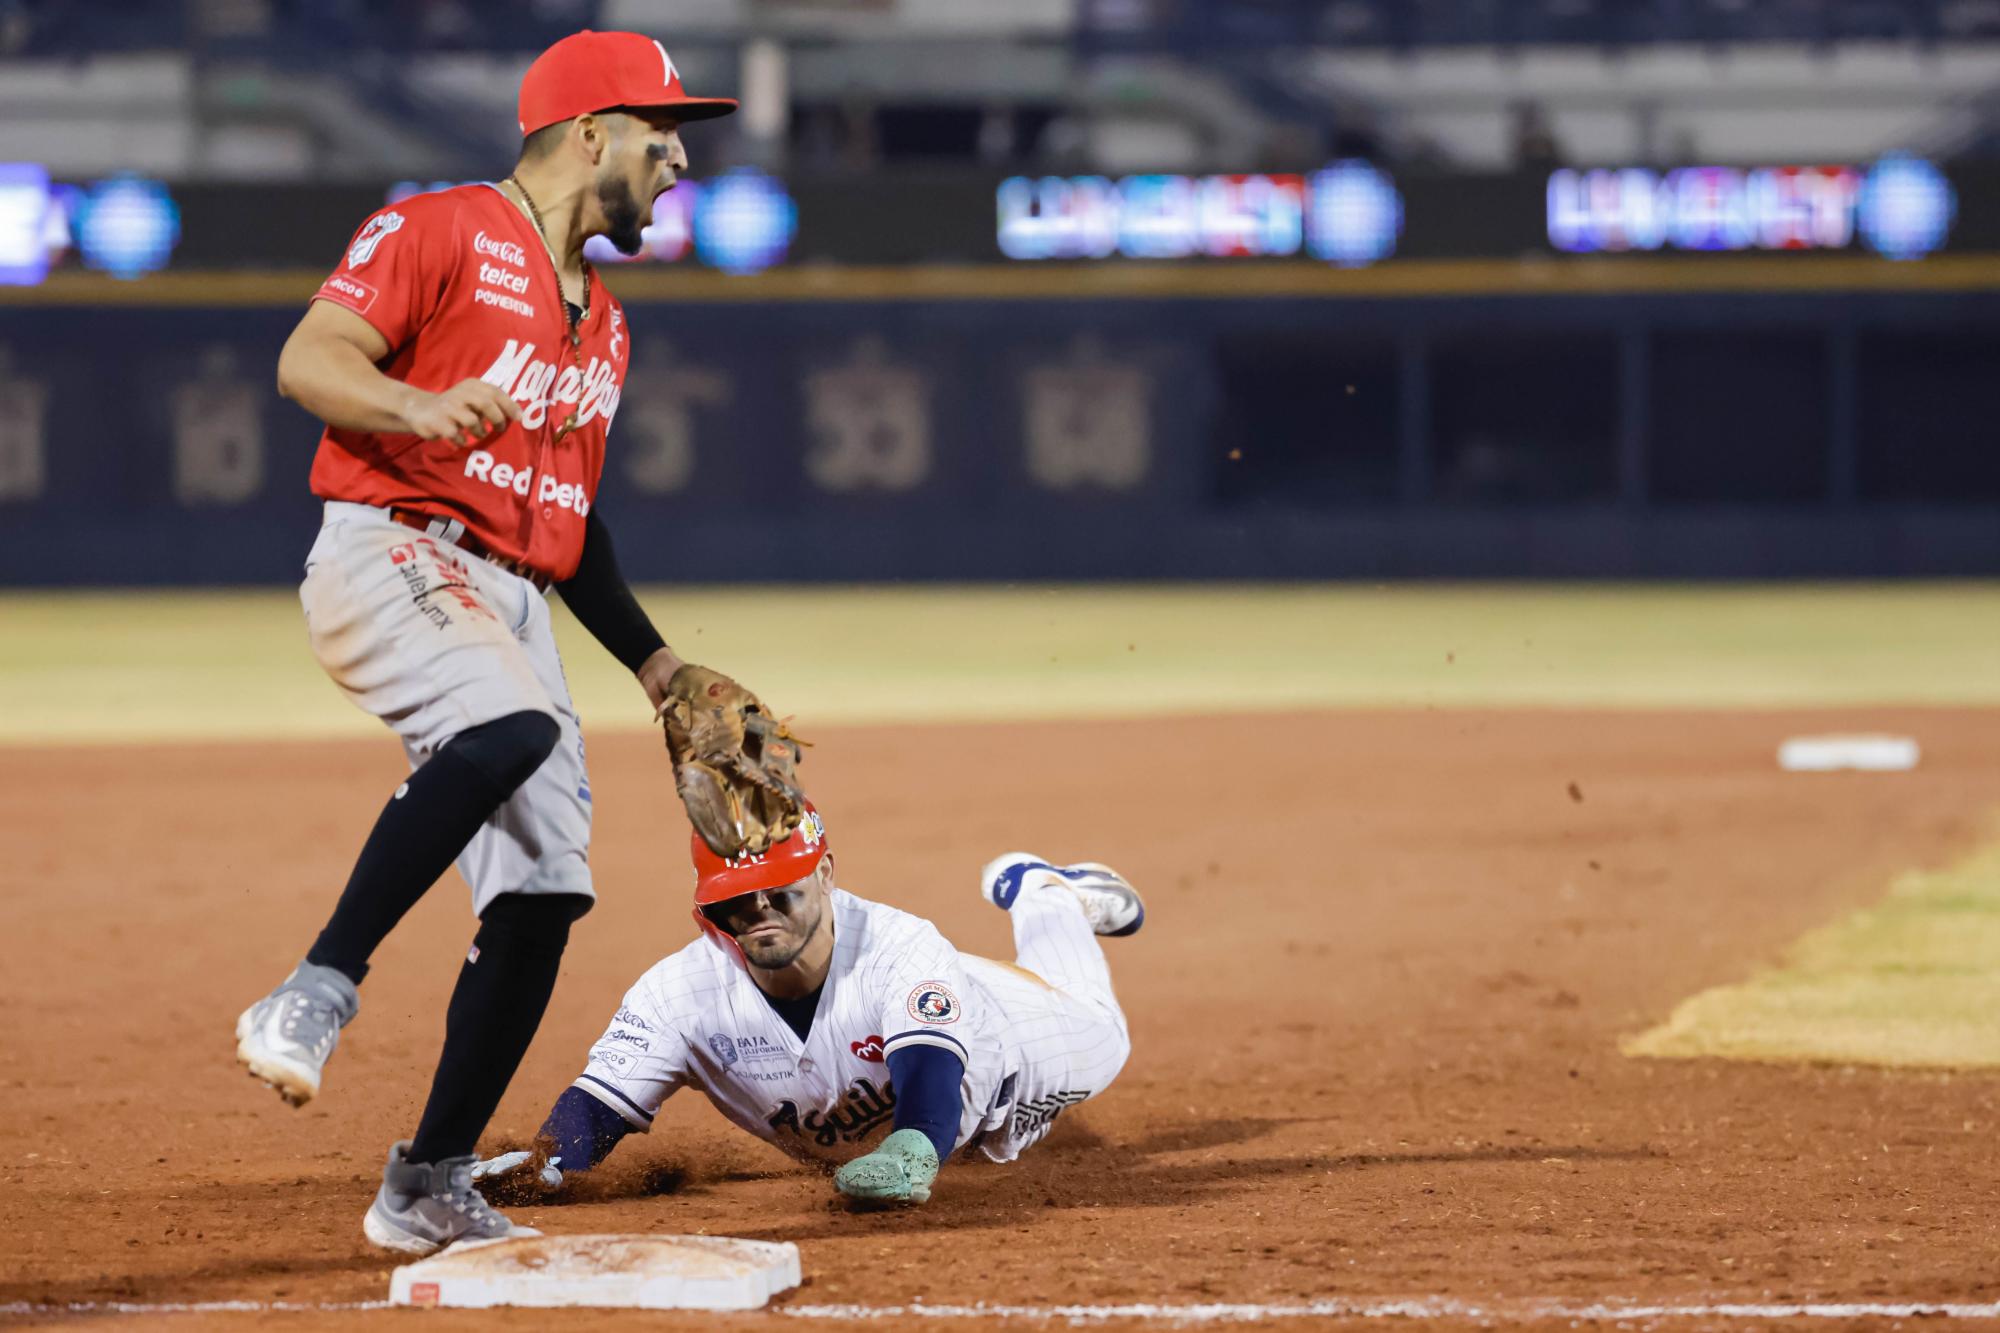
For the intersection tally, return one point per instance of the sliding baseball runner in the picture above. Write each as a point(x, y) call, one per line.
point(468, 363)
point(853, 1034)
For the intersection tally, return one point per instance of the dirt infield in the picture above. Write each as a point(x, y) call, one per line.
point(1375, 1011)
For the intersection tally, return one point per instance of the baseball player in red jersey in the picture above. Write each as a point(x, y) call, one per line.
point(467, 363)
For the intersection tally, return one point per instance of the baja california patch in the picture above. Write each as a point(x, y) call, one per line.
point(372, 235)
point(932, 1002)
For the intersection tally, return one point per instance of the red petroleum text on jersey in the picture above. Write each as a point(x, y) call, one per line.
point(482, 466)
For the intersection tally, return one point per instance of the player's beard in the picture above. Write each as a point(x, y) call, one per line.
point(624, 216)
point(772, 955)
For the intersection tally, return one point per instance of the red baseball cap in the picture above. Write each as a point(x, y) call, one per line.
point(718, 880)
point(596, 71)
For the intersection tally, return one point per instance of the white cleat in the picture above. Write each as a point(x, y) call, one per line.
point(423, 1207)
point(286, 1037)
point(1112, 906)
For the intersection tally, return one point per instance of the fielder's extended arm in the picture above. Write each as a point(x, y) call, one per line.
point(602, 602)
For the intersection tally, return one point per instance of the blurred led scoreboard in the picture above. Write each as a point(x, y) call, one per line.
point(125, 226)
point(1901, 208)
point(1350, 214)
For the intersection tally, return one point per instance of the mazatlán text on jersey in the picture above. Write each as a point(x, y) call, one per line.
point(536, 384)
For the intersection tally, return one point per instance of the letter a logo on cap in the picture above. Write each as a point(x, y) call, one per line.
point(600, 71)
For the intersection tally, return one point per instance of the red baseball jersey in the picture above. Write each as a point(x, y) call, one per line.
point(460, 284)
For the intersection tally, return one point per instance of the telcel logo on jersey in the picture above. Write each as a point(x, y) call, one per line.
point(536, 384)
point(516, 283)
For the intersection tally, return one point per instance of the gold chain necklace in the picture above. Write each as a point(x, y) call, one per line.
point(572, 323)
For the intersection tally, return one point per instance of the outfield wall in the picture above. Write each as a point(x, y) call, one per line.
point(1469, 421)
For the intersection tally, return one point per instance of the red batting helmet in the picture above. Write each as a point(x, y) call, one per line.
point(718, 880)
point(596, 71)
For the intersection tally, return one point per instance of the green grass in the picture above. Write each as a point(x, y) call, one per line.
point(184, 665)
point(1912, 982)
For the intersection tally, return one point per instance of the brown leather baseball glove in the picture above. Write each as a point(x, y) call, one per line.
point(734, 764)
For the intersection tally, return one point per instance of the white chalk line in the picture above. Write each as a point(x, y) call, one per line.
point(186, 1307)
point(1218, 1313)
point(1428, 1308)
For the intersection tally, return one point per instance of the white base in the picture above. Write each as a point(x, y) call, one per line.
point(1868, 754)
point(618, 1272)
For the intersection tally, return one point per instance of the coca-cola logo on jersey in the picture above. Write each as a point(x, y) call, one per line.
point(537, 385)
point(507, 252)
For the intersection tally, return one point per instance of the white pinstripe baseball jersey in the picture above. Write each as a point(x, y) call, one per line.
point(696, 1019)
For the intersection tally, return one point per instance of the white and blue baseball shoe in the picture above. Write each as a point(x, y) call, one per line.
point(1111, 905)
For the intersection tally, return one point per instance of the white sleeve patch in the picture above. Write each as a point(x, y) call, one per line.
point(933, 1002)
point(377, 231)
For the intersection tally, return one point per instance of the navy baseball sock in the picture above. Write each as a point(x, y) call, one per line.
point(495, 1008)
point(424, 827)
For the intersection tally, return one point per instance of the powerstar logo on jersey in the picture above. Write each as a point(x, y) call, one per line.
point(536, 384)
point(372, 236)
point(862, 1109)
point(932, 1002)
point(510, 287)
